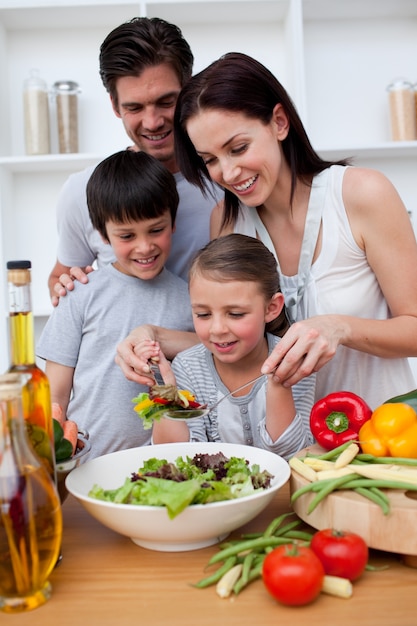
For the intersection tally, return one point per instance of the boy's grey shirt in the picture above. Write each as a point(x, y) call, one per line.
point(83, 332)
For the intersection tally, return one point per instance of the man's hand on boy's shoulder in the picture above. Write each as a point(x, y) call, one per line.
point(66, 282)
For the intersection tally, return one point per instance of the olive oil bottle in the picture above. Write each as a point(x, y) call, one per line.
point(36, 397)
point(30, 509)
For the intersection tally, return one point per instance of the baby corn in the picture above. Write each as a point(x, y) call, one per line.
point(226, 583)
point(347, 456)
point(336, 586)
point(386, 472)
point(301, 468)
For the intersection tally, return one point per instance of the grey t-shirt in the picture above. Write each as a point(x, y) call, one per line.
point(83, 332)
point(80, 244)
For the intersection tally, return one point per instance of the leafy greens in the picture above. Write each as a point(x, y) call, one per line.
point(202, 479)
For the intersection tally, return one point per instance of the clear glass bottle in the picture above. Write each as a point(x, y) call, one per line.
point(36, 114)
point(30, 510)
point(66, 98)
point(36, 396)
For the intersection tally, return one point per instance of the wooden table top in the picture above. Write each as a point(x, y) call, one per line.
point(105, 579)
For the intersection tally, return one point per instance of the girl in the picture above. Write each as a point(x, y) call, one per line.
point(344, 243)
point(238, 311)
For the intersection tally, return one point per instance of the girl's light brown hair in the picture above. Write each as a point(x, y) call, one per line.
point(245, 259)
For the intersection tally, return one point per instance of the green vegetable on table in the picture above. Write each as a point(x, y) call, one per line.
point(365, 474)
point(249, 552)
point(205, 478)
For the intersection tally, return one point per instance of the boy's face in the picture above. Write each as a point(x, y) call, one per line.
point(146, 105)
point(141, 247)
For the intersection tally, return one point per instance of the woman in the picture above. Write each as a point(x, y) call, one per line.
point(341, 235)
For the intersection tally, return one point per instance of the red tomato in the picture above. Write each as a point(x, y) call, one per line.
point(342, 553)
point(293, 574)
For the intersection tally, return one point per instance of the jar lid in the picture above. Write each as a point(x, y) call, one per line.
point(19, 265)
point(65, 85)
point(34, 81)
point(399, 83)
point(18, 272)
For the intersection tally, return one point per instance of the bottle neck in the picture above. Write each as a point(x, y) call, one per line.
point(21, 326)
point(13, 431)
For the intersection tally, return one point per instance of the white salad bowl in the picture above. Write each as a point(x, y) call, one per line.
point(198, 525)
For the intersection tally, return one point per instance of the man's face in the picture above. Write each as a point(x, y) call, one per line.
point(146, 106)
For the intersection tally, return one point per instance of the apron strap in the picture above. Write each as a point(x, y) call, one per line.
point(311, 233)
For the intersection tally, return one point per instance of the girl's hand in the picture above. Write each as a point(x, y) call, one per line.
point(133, 354)
point(305, 348)
point(165, 369)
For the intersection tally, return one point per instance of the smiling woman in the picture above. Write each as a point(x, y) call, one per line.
point(325, 222)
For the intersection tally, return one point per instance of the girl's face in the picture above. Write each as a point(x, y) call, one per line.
point(229, 317)
point(141, 247)
point(241, 154)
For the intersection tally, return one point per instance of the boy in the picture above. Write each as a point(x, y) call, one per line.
point(132, 201)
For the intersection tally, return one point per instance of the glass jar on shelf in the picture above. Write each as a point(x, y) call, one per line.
point(36, 114)
point(402, 110)
point(66, 100)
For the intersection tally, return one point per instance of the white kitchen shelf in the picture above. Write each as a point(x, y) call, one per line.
point(335, 57)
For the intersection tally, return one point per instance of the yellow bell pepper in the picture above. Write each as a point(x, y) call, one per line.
point(391, 431)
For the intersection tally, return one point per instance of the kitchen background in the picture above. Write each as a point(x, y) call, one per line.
point(336, 59)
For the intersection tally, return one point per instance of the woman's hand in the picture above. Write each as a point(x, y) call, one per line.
point(306, 347)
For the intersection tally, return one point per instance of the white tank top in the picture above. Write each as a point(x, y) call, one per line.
point(340, 281)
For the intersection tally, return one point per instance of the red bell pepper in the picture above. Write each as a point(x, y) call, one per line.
point(337, 418)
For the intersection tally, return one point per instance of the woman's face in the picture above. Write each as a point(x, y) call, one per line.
point(241, 154)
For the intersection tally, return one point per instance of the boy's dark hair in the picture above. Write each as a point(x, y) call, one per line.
point(238, 257)
point(130, 186)
point(140, 43)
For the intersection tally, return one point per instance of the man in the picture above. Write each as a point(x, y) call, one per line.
point(143, 65)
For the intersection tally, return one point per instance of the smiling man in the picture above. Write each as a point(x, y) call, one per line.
point(143, 65)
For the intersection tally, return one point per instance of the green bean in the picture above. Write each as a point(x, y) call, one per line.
point(282, 532)
point(253, 574)
point(381, 483)
point(380, 494)
point(331, 454)
point(320, 485)
point(370, 458)
point(215, 577)
point(274, 525)
point(332, 485)
point(374, 496)
point(247, 566)
point(300, 535)
point(246, 546)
